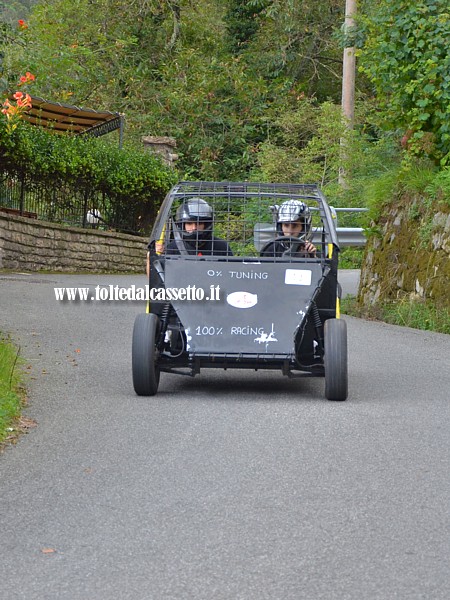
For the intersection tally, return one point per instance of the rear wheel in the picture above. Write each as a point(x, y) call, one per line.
point(144, 354)
point(335, 359)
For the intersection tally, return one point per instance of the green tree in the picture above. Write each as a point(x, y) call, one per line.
point(13, 10)
point(167, 65)
point(406, 57)
point(296, 41)
point(242, 23)
point(95, 52)
point(305, 145)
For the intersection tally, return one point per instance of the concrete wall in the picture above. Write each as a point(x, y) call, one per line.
point(32, 245)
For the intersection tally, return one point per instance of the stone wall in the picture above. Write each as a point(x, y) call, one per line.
point(32, 245)
point(410, 257)
point(163, 147)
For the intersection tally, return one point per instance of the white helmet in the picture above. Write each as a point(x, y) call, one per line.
point(291, 211)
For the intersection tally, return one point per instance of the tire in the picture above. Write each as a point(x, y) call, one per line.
point(144, 355)
point(335, 359)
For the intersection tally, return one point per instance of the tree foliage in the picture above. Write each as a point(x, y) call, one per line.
point(168, 65)
point(233, 80)
point(242, 23)
point(305, 146)
point(295, 40)
point(406, 57)
point(13, 10)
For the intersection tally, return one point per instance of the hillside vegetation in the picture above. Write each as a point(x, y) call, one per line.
point(251, 88)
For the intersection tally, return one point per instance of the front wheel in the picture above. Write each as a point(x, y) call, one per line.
point(144, 355)
point(335, 359)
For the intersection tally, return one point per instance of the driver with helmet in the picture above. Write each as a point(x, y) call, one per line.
point(294, 225)
point(194, 231)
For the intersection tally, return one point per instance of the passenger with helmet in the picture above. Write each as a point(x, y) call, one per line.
point(294, 231)
point(193, 231)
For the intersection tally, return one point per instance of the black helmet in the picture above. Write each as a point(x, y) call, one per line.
point(195, 210)
point(291, 211)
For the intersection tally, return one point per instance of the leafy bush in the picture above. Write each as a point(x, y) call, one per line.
point(304, 145)
point(413, 177)
point(351, 258)
point(406, 57)
point(128, 173)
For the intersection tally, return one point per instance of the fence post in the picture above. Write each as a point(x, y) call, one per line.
point(22, 193)
point(85, 205)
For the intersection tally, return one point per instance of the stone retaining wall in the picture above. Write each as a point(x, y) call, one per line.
point(31, 245)
point(410, 257)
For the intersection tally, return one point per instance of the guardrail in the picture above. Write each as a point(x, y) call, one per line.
point(347, 236)
point(350, 236)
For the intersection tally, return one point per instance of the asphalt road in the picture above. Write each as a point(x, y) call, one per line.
point(231, 485)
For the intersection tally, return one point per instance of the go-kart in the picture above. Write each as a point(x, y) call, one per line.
point(242, 310)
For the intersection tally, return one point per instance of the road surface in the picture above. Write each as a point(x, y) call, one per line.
point(231, 485)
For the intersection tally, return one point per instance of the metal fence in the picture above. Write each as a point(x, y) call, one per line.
point(79, 206)
point(83, 207)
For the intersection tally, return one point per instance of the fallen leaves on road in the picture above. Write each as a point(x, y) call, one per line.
point(25, 423)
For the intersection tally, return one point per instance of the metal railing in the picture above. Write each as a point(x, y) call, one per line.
point(350, 236)
point(57, 202)
point(84, 208)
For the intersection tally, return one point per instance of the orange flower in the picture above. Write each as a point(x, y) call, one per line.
point(27, 78)
point(23, 102)
point(15, 112)
point(22, 24)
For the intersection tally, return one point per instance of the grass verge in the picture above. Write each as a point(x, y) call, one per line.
point(12, 394)
point(406, 312)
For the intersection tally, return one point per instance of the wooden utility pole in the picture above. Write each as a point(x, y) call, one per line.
point(348, 78)
point(348, 67)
